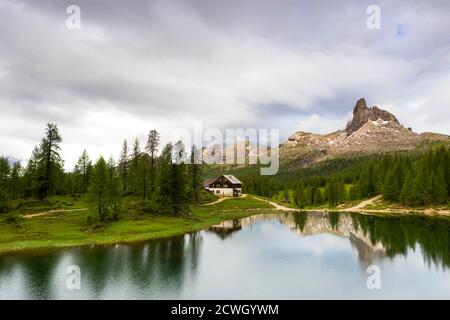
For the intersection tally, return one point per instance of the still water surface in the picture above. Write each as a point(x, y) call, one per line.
point(280, 256)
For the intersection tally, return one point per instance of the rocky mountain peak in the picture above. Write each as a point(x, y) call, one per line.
point(371, 131)
point(362, 114)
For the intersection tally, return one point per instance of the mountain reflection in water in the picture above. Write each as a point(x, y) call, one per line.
point(373, 237)
point(278, 256)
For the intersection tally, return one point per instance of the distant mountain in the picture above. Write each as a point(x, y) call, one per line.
point(12, 160)
point(371, 130)
point(245, 152)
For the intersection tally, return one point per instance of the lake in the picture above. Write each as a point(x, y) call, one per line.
point(279, 256)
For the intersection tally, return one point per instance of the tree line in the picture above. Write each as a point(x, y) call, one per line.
point(164, 182)
point(414, 178)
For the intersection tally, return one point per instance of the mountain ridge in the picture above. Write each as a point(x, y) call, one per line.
point(371, 130)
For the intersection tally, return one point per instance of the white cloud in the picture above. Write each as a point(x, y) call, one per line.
point(172, 64)
point(317, 124)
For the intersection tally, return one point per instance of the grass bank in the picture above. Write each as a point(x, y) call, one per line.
point(373, 206)
point(59, 229)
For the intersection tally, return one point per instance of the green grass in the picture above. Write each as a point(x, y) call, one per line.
point(64, 229)
point(382, 204)
point(248, 202)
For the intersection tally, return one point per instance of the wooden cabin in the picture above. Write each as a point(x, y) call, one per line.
point(225, 186)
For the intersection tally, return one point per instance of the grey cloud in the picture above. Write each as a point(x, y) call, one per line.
point(280, 63)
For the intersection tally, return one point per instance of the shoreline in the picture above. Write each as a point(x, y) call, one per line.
point(196, 224)
point(44, 245)
point(359, 208)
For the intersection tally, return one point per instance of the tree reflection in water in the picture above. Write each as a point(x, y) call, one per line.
point(184, 266)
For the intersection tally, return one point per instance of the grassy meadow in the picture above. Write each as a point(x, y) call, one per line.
point(68, 226)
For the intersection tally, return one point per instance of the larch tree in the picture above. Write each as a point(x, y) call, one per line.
point(114, 190)
point(83, 170)
point(123, 165)
point(164, 177)
point(440, 187)
point(99, 187)
point(332, 193)
point(407, 189)
point(144, 169)
point(15, 181)
point(152, 148)
point(419, 191)
point(300, 195)
point(195, 171)
point(134, 166)
point(393, 183)
point(50, 163)
point(5, 171)
point(31, 174)
point(318, 196)
point(178, 178)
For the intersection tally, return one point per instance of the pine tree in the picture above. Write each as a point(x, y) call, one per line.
point(354, 192)
point(152, 148)
point(440, 187)
point(393, 184)
point(15, 185)
point(114, 190)
point(100, 187)
point(4, 200)
point(195, 171)
point(31, 174)
point(406, 195)
point(123, 165)
point(164, 177)
point(4, 179)
point(50, 163)
point(318, 196)
point(342, 192)
point(300, 196)
point(144, 169)
point(367, 182)
point(419, 189)
point(178, 178)
point(332, 193)
point(444, 165)
point(309, 196)
point(5, 170)
point(83, 170)
point(134, 166)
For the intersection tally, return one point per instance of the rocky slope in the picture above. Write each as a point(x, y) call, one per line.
point(372, 130)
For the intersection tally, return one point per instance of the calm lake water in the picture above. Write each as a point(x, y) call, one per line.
point(282, 256)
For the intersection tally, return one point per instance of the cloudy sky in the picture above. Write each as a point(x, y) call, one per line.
point(138, 65)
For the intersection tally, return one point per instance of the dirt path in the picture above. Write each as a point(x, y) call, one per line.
point(362, 204)
point(278, 206)
point(40, 214)
point(399, 211)
point(360, 209)
point(222, 199)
